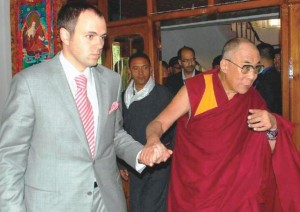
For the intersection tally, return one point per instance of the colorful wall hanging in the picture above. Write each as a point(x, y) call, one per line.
point(35, 38)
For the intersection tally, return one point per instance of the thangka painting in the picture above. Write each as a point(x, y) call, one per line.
point(34, 36)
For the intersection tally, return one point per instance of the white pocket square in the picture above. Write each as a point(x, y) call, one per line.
point(113, 107)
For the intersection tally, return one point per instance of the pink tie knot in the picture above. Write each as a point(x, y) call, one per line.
point(81, 81)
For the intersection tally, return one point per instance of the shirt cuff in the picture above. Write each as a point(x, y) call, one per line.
point(139, 167)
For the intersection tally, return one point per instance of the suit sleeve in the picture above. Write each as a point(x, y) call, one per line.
point(126, 147)
point(15, 134)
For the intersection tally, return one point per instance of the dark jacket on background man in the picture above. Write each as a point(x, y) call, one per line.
point(175, 82)
point(268, 84)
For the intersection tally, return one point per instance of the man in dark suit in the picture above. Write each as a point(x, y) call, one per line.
point(143, 101)
point(187, 61)
point(52, 157)
point(268, 82)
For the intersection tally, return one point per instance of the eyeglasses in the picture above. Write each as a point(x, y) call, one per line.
point(245, 69)
point(188, 60)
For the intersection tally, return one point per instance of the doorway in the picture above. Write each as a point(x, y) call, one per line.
point(207, 34)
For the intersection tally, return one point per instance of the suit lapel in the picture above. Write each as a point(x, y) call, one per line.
point(61, 86)
point(103, 103)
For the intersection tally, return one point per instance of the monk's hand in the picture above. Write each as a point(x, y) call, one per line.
point(154, 152)
point(261, 120)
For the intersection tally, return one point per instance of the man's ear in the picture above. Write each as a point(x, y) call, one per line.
point(64, 36)
point(224, 66)
point(151, 70)
point(129, 72)
point(179, 62)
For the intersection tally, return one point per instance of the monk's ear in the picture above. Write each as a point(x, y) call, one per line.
point(224, 65)
point(64, 36)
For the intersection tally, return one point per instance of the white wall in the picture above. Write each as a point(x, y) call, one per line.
point(5, 52)
point(207, 41)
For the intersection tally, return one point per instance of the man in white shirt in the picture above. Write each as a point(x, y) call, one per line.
point(187, 62)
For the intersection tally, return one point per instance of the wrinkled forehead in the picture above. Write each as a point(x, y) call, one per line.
point(246, 52)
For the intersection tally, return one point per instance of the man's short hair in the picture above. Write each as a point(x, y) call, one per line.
point(217, 60)
point(277, 51)
point(232, 44)
point(165, 64)
point(138, 54)
point(266, 51)
point(68, 15)
point(173, 61)
point(184, 48)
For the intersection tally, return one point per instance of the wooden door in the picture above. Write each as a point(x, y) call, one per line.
point(292, 64)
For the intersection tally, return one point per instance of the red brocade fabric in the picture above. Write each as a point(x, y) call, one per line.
point(219, 164)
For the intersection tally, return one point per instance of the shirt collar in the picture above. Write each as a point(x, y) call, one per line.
point(183, 76)
point(71, 71)
point(266, 70)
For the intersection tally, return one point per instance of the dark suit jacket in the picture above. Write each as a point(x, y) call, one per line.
point(175, 82)
point(268, 84)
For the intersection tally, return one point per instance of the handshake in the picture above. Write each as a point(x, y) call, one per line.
point(154, 152)
point(151, 154)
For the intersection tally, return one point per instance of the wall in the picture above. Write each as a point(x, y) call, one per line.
point(207, 42)
point(5, 52)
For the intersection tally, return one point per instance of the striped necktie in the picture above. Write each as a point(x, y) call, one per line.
point(85, 110)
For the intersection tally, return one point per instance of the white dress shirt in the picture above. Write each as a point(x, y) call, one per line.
point(71, 72)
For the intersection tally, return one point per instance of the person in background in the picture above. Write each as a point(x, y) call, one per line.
point(268, 82)
point(165, 70)
point(216, 62)
point(277, 59)
point(174, 65)
point(187, 61)
point(230, 153)
point(61, 128)
point(143, 101)
point(198, 66)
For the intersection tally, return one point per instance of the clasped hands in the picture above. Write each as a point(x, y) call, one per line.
point(154, 152)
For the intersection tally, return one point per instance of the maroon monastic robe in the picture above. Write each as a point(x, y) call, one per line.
point(219, 164)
